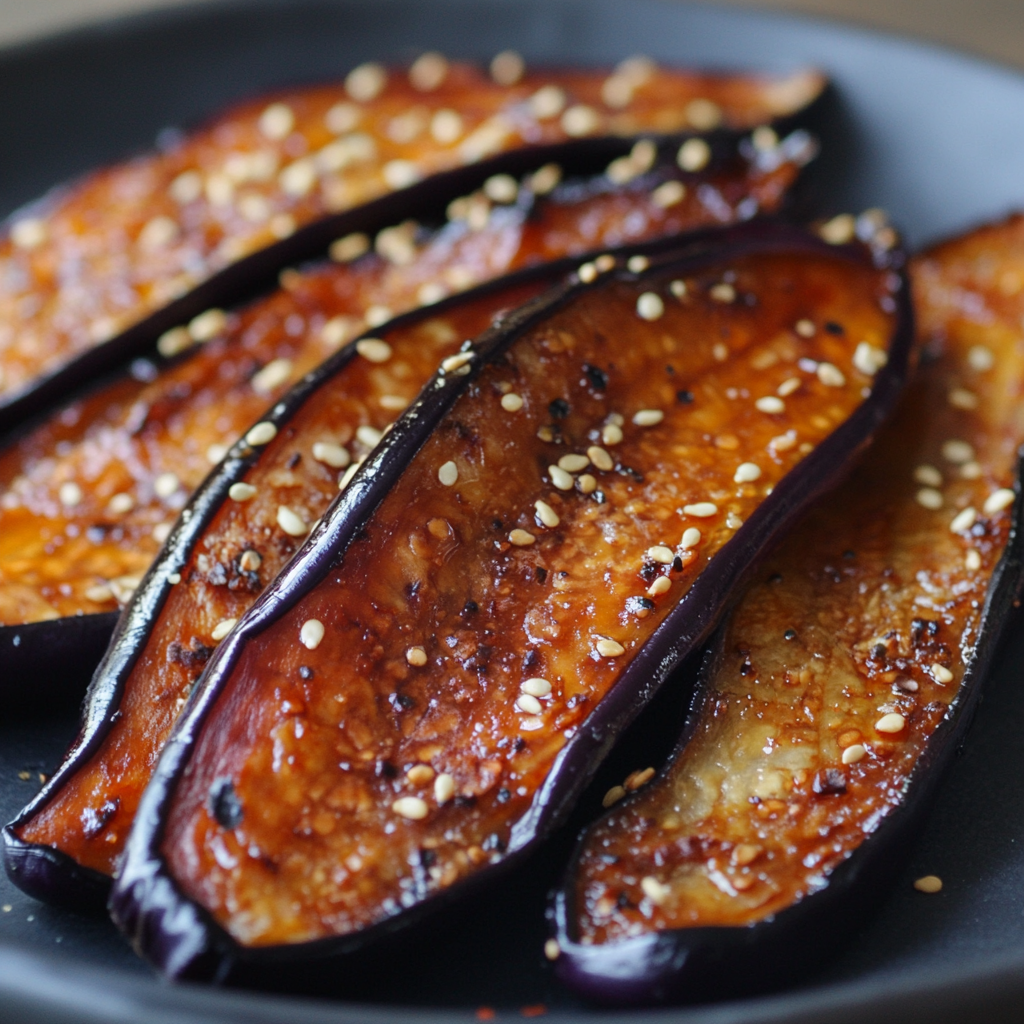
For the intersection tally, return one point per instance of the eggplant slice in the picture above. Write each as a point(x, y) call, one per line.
point(839, 688)
point(93, 273)
point(555, 522)
point(90, 495)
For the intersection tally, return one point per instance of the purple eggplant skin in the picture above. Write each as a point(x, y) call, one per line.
point(181, 938)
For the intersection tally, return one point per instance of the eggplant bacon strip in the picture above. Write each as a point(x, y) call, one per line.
point(515, 568)
point(841, 685)
point(139, 437)
point(98, 269)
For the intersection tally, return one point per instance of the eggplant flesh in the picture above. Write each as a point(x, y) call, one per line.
point(161, 238)
point(91, 494)
point(426, 687)
point(839, 687)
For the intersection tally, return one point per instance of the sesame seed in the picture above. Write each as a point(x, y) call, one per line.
point(291, 522)
point(733, 521)
point(972, 561)
point(530, 723)
point(298, 178)
point(971, 470)
point(174, 341)
point(186, 187)
point(241, 492)
point(560, 478)
point(276, 121)
point(764, 138)
point(215, 453)
point(869, 359)
point(165, 485)
point(694, 155)
point(957, 451)
point(521, 538)
point(587, 273)
point(420, 774)
point(456, 362)
point(805, 328)
point(654, 890)
point(374, 350)
point(637, 264)
point(529, 704)
point(941, 674)
point(586, 483)
point(346, 477)
point(158, 233)
point(507, 68)
point(668, 194)
point(929, 498)
point(999, 500)
point(121, 503)
point(613, 796)
point(330, 454)
point(208, 325)
point(574, 463)
point(723, 293)
point(161, 532)
point(552, 951)
point(544, 180)
point(678, 289)
point(349, 248)
point(29, 233)
point(660, 586)
point(747, 472)
point(250, 560)
point(546, 514)
point(661, 553)
point(368, 436)
point(547, 102)
point(282, 225)
point(416, 656)
point(701, 509)
point(691, 538)
point(638, 778)
point(446, 126)
point(604, 263)
point(609, 648)
point(536, 687)
point(444, 788)
point(928, 883)
point(311, 633)
point(401, 173)
point(410, 807)
point(99, 593)
point(511, 402)
point(890, 723)
point(980, 358)
point(611, 434)
point(770, 404)
point(961, 398)
point(366, 82)
point(705, 115)
point(928, 475)
point(964, 520)
point(787, 387)
point(428, 72)
point(854, 753)
point(649, 306)
point(830, 375)
point(648, 417)
point(448, 474)
point(839, 230)
point(222, 629)
point(600, 458)
point(272, 376)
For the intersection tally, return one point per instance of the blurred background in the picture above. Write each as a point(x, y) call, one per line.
point(991, 28)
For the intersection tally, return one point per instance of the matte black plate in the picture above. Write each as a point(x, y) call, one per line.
point(935, 137)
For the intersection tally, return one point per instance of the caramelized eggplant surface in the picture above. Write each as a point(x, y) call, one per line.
point(511, 573)
point(105, 265)
point(841, 683)
point(167, 429)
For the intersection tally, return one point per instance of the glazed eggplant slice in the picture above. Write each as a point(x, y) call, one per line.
point(90, 495)
point(95, 272)
point(839, 688)
point(552, 525)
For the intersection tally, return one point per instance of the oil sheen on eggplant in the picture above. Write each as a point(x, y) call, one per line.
point(99, 268)
point(841, 684)
point(169, 428)
point(428, 684)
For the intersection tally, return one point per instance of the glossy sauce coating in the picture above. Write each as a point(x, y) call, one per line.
point(101, 255)
point(841, 661)
point(378, 741)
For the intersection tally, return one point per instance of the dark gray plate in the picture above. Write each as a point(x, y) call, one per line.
point(935, 137)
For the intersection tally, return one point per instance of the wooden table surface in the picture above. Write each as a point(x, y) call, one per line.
point(993, 28)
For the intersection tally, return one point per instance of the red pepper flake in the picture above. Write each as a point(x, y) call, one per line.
point(485, 1013)
point(536, 1010)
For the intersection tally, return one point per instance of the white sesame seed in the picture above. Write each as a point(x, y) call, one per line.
point(401, 173)
point(366, 82)
point(161, 532)
point(764, 138)
point(654, 890)
point(941, 674)
point(971, 470)
point(890, 723)
point(368, 436)
point(250, 560)
point(521, 538)
point(262, 433)
point(788, 386)
point(291, 522)
point(330, 454)
point(660, 586)
point(377, 315)
point(222, 629)
point(999, 500)
point(609, 648)
point(723, 292)
point(701, 509)
point(770, 404)
point(536, 687)
point(961, 398)
point(928, 475)
point(282, 225)
point(747, 472)
point(174, 341)
point(928, 883)
point(980, 358)
point(587, 483)
point(830, 375)
point(529, 704)
point(420, 774)
point(374, 350)
point(580, 120)
point(507, 67)
point(929, 498)
point(411, 807)
point(573, 463)
point(241, 492)
point(552, 951)
point(121, 503)
point(678, 289)
point(511, 402)
point(456, 362)
point(547, 102)
point(215, 453)
point(957, 451)
point(346, 477)
point(186, 187)
point(99, 593)
point(972, 561)
point(869, 359)
point(446, 126)
point(839, 230)
point(637, 264)
point(600, 458)
point(29, 233)
point(311, 633)
point(648, 417)
point(694, 155)
point(587, 273)
point(165, 485)
point(964, 520)
point(733, 521)
point(560, 478)
point(158, 233)
point(448, 474)
point(428, 72)
point(691, 538)
point(604, 263)
point(705, 115)
point(805, 328)
point(272, 376)
point(277, 121)
point(668, 194)
point(546, 514)
point(530, 723)
point(416, 656)
point(545, 180)
point(649, 306)
point(208, 325)
point(661, 553)
point(613, 796)
point(444, 788)
point(611, 434)
point(854, 753)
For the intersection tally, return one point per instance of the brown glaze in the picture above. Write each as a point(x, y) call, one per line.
point(870, 611)
point(100, 256)
point(393, 758)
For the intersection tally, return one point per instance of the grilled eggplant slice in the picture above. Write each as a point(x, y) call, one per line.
point(555, 522)
point(90, 495)
point(95, 272)
point(839, 689)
